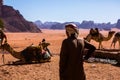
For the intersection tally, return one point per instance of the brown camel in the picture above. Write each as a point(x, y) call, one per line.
point(28, 55)
point(98, 37)
point(115, 39)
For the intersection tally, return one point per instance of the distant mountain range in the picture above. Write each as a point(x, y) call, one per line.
point(83, 25)
point(15, 22)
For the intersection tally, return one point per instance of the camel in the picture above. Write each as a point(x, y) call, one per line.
point(115, 39)
point(95, 35)
point(28, 55)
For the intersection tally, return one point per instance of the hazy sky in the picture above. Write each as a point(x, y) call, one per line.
point(68, 10)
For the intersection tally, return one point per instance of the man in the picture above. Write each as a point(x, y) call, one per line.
point(71, 55)
point(44, 45)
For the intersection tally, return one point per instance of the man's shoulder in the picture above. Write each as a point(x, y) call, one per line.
point(65, 40)
point(80, 39)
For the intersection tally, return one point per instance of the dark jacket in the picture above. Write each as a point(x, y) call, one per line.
point(71, 58)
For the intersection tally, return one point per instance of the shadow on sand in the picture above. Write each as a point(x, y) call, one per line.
point(16, 63)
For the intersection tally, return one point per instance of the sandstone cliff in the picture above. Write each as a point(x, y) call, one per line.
point(15, 22)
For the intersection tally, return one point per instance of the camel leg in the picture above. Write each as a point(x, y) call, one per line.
point(22, 61)
point(114, 45)
point(111, 45)
point(100, 45)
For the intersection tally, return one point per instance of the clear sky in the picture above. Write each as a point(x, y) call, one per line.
point(68, 10)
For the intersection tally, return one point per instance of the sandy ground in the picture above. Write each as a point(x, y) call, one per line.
point(50, 70)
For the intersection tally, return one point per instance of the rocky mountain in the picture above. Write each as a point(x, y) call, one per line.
point(118, 24)
point(14, 21)
point(84, 25)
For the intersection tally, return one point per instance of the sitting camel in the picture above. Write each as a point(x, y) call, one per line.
point(115, 39)
point(28, 55)
point(98, 37)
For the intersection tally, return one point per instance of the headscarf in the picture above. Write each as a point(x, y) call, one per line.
point(71, 29)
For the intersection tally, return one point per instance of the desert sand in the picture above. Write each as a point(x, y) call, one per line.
point(50, 70)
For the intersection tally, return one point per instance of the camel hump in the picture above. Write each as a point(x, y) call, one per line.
point(32, 49)
point(117, 34)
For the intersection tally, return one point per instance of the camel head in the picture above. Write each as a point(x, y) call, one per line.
point(92, 31)
point(111, 32)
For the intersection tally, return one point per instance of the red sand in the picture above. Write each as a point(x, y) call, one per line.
point(50, 70)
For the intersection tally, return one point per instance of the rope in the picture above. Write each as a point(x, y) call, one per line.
point(3, 58)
